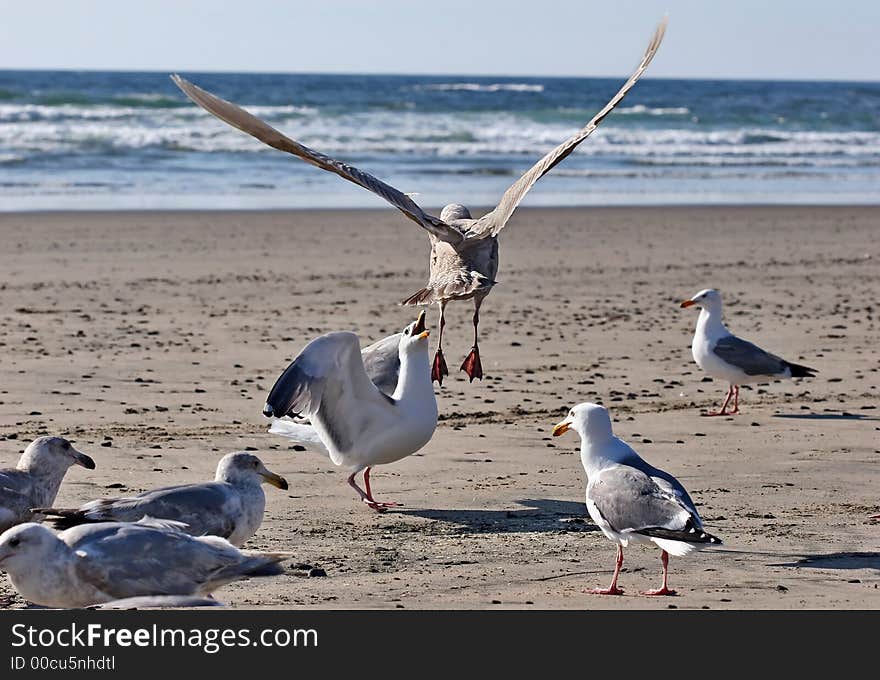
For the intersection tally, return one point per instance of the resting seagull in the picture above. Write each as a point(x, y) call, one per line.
point(351, 420)
point(97, 563)
point(35, 481)
point(631, 500)
point(230, 507)
point(464, 250)
point(723, 355)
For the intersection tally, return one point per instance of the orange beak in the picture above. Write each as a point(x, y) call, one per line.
point(561, 428)
point(687, 303)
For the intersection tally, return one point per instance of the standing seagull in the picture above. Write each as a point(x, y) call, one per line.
point(723, 355)
point(352, 421)
point(464, 251)
point(631, 500)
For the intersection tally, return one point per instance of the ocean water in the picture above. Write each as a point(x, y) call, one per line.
point(96, 140)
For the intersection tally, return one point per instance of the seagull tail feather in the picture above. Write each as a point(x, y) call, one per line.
point(798, 371)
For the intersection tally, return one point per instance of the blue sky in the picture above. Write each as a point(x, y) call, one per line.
point(707, 38)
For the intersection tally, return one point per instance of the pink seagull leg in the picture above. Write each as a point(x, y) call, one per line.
point(373, 501)
point(664, 589)
point(722, 412)
point(612, 589)
point(735, 400)
point(364, 497)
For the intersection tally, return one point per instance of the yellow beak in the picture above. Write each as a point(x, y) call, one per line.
point(275, 480)
point(561, 428)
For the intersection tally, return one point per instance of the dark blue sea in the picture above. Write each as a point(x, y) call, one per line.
point(84, 140)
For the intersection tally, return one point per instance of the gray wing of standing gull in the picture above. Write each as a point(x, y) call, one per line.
point(382, 363)
point(630, 501)
point(749, 358)
point(147, 558)
point(239, 118)
point(491, 223)
point(326, 383)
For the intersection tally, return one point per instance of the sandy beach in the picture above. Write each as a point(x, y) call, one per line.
point(151, 339)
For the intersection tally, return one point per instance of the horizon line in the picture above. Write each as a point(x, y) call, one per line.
point(159, 71)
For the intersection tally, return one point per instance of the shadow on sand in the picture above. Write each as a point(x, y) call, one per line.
point(838, 560)
point(537, 515)
point(826, 416)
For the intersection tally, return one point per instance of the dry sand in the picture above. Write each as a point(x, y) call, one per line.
point(151, 339)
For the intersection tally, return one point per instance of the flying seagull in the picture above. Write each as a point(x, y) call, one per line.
point(230, 507)
point(631, 500)
point(352, 421)
point(35, 481)
point(464, 250)
point(723, 355)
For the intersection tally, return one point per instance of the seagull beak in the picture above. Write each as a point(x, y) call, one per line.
point(687, 303)
point(419, 328)
point(275, 480)
point(79, 458)
point(561, 428)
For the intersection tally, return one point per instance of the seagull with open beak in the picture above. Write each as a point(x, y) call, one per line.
point(351, 420)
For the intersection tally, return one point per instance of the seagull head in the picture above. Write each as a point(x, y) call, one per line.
point(244, 467)
point(708, 299)
point(455, 211)
point(52, 455)
point(414, 338)
point(23, 546)
point(590, 421)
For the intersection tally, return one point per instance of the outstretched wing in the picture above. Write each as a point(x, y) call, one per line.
point(382, 363)
point(328, 384)
point(749, 358)
point(493, 222)
point(237, 117)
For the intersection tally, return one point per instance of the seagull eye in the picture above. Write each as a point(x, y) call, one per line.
point(14, 543)
point(256, 463)
point(406, 331)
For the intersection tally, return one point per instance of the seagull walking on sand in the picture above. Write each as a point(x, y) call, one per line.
point(35, 481)
point(724, 356)
point(351, 420)
point(97, 563)
point(629, 499)
point(464, 250)
point(230, 507)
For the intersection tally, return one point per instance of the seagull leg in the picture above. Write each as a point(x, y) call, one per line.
point(439, 370)
point(372, 502)
point(612, 589)
point(663, 589)
point(360, 492)
point(723, 411)
point(471, 364)
point(735, 400)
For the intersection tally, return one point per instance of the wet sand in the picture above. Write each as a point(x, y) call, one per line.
point(152, 339)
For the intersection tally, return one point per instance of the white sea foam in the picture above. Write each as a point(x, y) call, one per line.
point(482, 87)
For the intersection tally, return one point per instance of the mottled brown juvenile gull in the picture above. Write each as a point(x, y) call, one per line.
point(464, 251)
point(230, 507)
point(352, 421)
point(35, 481)
point(96, 563)
point(724, 356)
point(630, 500)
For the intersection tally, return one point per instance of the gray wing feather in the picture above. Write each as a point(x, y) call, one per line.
point(630, 501)
point(206, 509)
point(327, 383)
point(16, 499)
point(749, 358)
point(493, 222)
point(382, 363)
point(129, 560)
point(239, 118)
